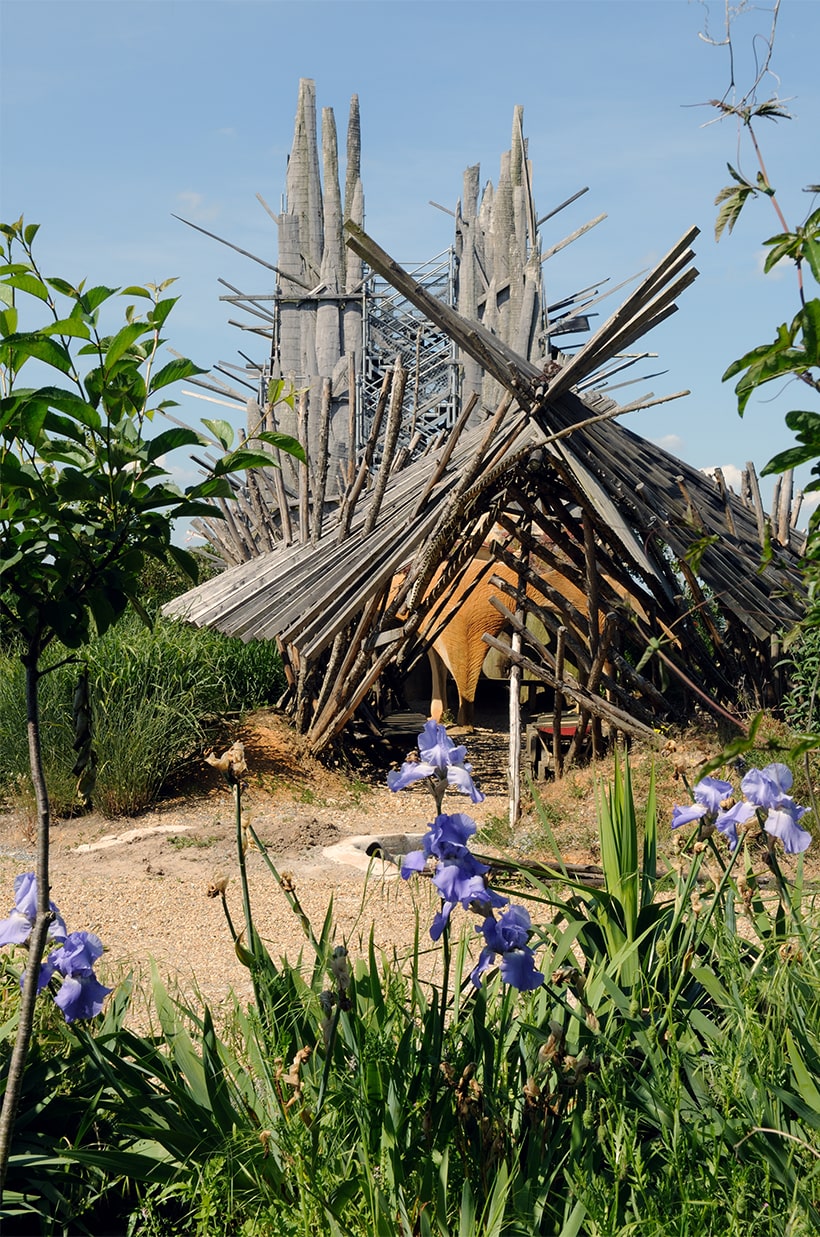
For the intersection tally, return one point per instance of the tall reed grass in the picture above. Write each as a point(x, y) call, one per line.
point(156, 695)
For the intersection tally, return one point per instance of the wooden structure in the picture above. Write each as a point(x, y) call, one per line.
point(668, 558)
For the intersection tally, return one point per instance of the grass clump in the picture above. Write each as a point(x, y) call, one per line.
point(156, 694)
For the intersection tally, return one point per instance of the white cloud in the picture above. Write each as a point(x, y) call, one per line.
point(807, 507)
point(732, 475)
point(780, 269)
point(196, 205)
point(672, 443)
point(182, 473)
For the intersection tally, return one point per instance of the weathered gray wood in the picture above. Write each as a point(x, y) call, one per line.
point(783, 508)
point(304, 471)
point(596, 705)
point(394, 416)
point(330, 600)
point(352, 495)
point(757, 503)
point(573, 236)
point(558, 708)
point(320, 473)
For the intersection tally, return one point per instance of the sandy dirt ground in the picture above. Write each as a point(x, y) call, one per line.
point(142, 884)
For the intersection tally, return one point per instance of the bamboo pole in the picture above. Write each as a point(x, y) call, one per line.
point(596, 705)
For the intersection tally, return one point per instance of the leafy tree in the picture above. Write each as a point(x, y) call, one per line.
point(86, 500)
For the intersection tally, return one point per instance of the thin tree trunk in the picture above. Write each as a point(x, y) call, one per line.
point(37, 941)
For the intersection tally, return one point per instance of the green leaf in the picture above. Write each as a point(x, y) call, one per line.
point(792, 457)
point(809, 317)
point(120, 343)
point(222, 432)
point(284, 442)
point(33, 419)
point(772, 109)
point(789, 247)
point(161, 311)
point(805, 424)
point(170, 440)
point(213, 487)
point(28, 283)
point(94, 297)
point(751, 358)
point(8, 321)
point(811, 252)
point(185, 560)
point(808, 1091)
point(72, 404)
point(74, 327)
point(175, 370)
point(573, 1225)
point(737, 176)
point(733, 200)
point(32, 344)
point(242, 459)
point(769, 361)
point(136, 290)
point(62, 286)
point(467, 1224)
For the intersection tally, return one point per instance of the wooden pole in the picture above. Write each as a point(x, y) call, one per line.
point(513, 772)
point(558, 706)
point(304, 471)
point(390, 440)
point(320, 474)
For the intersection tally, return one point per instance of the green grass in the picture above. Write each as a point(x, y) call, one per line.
point(186, 841)
point(156, 696)
point(662, 1080)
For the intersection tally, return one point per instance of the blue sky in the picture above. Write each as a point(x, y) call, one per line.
point(117, 114)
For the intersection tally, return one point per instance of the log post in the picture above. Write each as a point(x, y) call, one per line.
point(558, 706)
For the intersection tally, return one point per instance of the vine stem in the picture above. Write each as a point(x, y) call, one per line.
point(43, 919)
point(776, 205)
point(250, 927)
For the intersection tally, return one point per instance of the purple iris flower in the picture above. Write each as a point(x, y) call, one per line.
point(445, 839)
point(509, 936)
point(769, 789)
point(709, 793)
point(17, 928)
point(456, 883)
point(783, 825)
point(440, 758)
point(727, 822)
point(80, 995)
point(459, 876)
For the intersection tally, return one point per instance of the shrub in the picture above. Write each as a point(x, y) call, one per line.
point(801, 707)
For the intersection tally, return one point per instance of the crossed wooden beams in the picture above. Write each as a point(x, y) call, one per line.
point(328, 600)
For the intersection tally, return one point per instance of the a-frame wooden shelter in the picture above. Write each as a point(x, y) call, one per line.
point(668, 558)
